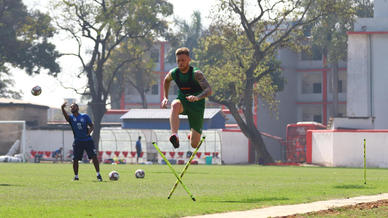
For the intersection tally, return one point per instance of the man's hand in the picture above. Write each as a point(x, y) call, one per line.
point(192, 98)
point(64, 112)
point(164, 103)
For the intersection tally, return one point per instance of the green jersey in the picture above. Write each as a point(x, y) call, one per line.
point(188, 85)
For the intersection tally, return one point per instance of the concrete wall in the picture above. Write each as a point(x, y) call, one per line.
point(381, 8)
point(340, 148)
point(49, 140)
point(358, 93)
point(33, 115)
point(379, 79)
point(367, 68)
point(234, 149)
point(9, 133)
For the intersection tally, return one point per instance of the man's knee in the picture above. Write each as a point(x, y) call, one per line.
point(194, 138)
point(194, 144)
point(176, 107)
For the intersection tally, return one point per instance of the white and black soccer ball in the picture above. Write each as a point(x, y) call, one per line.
point(114, 175)
point(140, 174)
point(36, 90)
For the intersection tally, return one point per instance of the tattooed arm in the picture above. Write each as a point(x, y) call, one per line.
point(207, 90)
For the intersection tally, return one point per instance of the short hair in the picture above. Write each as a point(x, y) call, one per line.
point(182, 50)
point(75, 104)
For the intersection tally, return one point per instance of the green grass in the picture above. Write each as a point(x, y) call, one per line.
point(46, 190)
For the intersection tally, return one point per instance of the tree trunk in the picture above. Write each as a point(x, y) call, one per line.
point(143, 99)
point(334, 81)
point(98, 110)
point(249, 129)
point(262, 155)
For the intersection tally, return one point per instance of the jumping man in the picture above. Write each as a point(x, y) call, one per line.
point(193, 89)
point(82, 126)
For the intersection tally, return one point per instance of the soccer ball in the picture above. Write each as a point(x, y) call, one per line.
point(114, 176)
point(139, 174)
point(36, 90)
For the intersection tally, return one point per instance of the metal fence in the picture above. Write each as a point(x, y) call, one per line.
point(120, 144)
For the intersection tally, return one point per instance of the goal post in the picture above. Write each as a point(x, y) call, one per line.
point(10, 132)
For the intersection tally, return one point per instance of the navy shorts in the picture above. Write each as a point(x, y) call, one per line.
point(79, 147)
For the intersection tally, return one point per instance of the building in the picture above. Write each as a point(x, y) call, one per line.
point(360, 139)
point(306, 97)
point(33, 114)
point(16, 110)
point(367, 75)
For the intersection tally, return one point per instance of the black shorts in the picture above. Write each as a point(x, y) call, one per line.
point(79, 147)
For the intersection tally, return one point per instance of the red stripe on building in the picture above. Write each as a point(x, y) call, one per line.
point(362, 33)
point(318, 70)
point(113, 111)
point(319, 102)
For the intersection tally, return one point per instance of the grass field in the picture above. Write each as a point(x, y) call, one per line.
point(47, 190)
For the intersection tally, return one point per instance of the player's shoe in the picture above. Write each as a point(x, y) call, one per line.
point(189, 136)
point(99, 178)
point(174, 141)
point(75, 179)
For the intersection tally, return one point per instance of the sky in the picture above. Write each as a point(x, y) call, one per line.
point(53, 91)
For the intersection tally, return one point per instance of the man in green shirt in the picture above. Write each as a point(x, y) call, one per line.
point(193, 89)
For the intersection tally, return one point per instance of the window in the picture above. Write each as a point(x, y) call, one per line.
point(313, 54)
point(317, 88)
point(155, 90)
point(340, 86)
point(317, 118)
point(312, 112)
point(311, 82)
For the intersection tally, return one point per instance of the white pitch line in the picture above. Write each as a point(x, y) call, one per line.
point(287, 210)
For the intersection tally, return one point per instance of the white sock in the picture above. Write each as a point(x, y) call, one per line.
point(76, 176)
point(98, 173)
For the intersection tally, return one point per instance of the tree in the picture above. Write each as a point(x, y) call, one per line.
point(330, 34)
point(238, 56)
point(137, 71)
point(105, 24)
point(24, 43)
point(187, 35)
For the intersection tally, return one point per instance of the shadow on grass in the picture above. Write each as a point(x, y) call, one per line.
point(252, 200)
point(353, 186)
point(7, 185)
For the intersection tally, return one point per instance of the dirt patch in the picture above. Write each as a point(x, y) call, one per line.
point(337, 211)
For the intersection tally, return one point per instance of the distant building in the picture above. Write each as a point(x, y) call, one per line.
point(33, 114)
point(368, 68)
point(10, 110)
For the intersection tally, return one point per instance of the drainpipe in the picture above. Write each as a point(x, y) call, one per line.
point(371, 114)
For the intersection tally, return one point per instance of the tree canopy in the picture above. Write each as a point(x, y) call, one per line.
point(99, 28)
point(239, 56)
point(24, 43)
